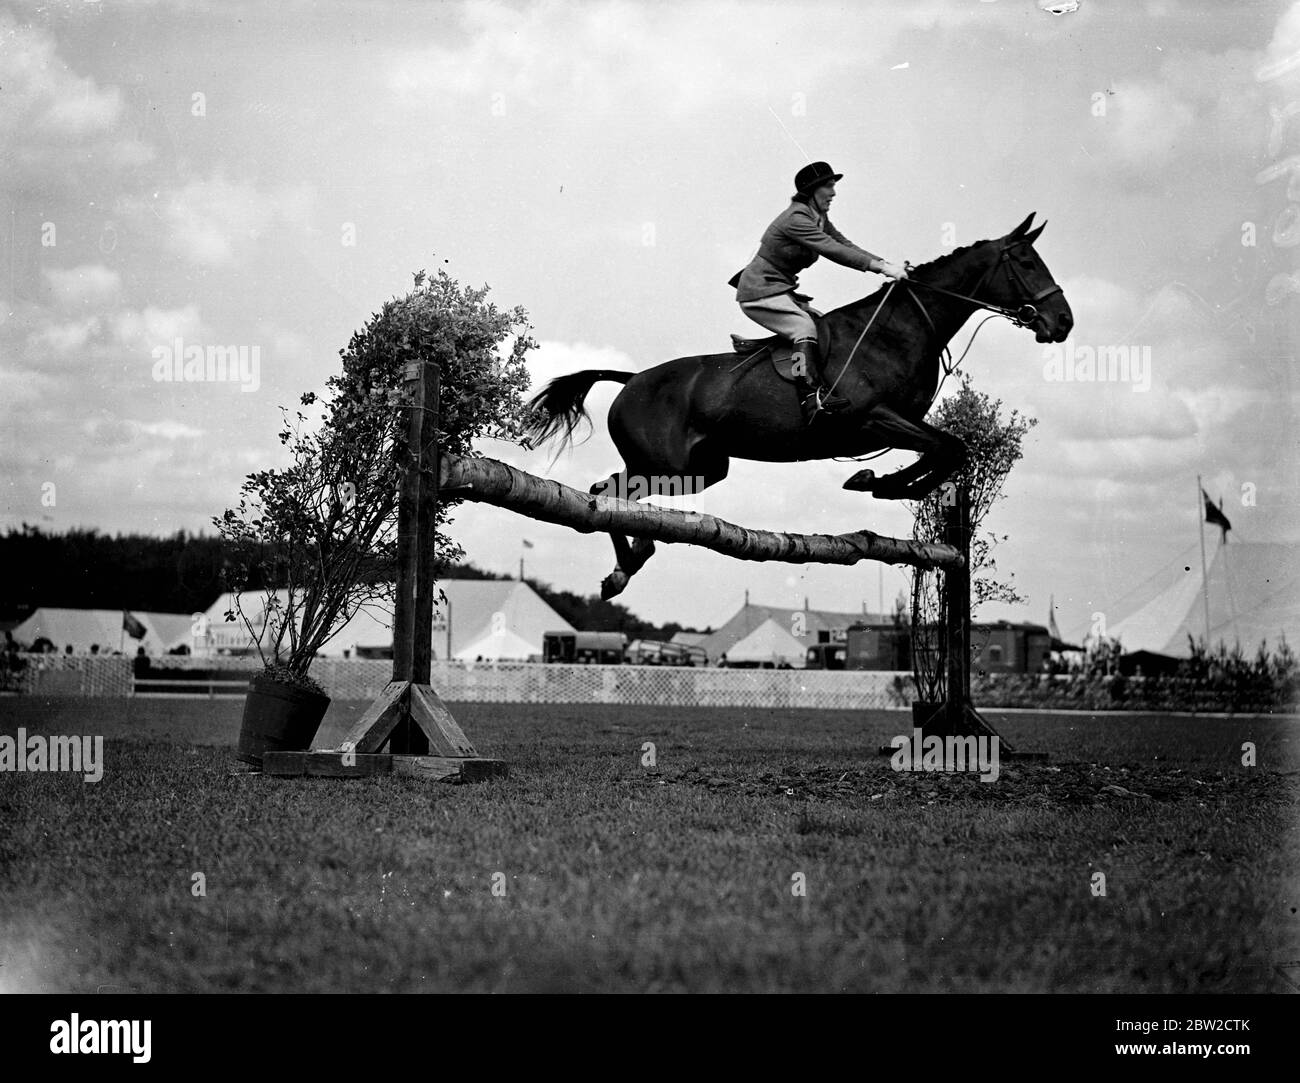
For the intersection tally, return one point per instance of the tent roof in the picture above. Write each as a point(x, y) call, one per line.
point(768, 642)
point(83, 628)
point(1254, 596)
point(479, 609)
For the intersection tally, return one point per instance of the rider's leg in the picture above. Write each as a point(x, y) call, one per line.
point(788, 318)
point(822, 397)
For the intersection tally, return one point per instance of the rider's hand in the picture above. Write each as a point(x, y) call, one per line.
point(890, 270)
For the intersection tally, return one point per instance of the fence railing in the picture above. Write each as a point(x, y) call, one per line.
point(488, 682)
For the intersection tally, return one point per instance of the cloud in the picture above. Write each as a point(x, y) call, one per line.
point(602, 56)
point(170, 430)
point(88, 284)
point(210, 221)
point(1115, 412)
point(1200, 111)
point(63, 338)
point(55, 124)
point(1145, 122)
point(148, 327)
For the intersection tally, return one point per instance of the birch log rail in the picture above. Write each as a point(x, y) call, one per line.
point(487, 481)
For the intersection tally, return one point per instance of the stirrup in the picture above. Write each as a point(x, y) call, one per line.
point(826, 399)
point(819, 399)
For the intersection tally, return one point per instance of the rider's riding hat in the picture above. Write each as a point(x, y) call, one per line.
point(811, 176)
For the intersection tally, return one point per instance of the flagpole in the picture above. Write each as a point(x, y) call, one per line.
point(1205, 582)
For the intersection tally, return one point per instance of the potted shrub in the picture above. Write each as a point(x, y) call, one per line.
point(315, 540)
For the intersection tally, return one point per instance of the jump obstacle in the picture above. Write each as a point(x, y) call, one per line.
point(423, 739)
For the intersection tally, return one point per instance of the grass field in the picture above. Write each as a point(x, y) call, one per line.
point(677, 878)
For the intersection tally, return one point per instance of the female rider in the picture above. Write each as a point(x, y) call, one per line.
point(765, 289)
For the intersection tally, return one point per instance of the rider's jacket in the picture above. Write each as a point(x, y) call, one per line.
point(792, 243)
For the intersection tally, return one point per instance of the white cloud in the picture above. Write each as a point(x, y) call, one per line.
point(88, 284)
point(210, 221)
point(170, 430)
point(65, 337)
point(150, 326)
point(602, 56)
point(55, 124)
point(1145, 122)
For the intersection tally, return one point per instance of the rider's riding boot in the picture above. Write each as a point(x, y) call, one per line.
point(813, 394)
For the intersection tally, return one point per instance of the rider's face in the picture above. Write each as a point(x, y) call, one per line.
point(823, 196)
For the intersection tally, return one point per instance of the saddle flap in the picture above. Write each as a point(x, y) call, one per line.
point(779, 350)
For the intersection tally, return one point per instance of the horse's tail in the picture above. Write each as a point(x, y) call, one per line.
point(561, 405)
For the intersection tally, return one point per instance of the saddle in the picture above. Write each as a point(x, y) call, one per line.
point(778, 349)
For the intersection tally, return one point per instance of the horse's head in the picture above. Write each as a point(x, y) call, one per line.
point(1019, 280)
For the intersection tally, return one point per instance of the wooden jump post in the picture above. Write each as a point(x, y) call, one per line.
point(422, 737)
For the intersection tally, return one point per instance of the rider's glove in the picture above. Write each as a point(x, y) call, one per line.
point(890, 270)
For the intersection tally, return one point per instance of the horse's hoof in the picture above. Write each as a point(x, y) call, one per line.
point(612, 585)
point(864, 481)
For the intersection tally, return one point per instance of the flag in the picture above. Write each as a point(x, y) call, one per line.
point(1215, 515)
point(133, 627)
point(1051, 619)
point(527, 543)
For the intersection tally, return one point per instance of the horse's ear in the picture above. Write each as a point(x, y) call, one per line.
point(1019, 231)
point(1032, 236)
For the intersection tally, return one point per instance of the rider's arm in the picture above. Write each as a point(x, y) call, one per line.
point(878, 264)
point(829, 242)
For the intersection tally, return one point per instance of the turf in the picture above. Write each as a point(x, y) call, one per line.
point(679, 877)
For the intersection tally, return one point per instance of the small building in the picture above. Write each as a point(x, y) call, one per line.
point(806, 626)
point(1009, 647)
point(583, 648)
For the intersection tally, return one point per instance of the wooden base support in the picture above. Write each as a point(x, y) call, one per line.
point(960, 720)
point(331, 763)
point(423, 740)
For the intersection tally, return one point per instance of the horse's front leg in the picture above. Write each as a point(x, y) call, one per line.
point(940, 455)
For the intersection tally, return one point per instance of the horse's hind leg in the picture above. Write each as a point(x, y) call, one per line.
point(628, 558)
point(704, 468)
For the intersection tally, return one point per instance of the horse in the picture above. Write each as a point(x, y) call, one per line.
point(687, 418)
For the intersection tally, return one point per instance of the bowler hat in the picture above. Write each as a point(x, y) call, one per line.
point(812, 176)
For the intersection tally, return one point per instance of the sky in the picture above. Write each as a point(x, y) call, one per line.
point(267, 176)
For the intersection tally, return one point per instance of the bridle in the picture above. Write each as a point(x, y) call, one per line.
point(1022, 316)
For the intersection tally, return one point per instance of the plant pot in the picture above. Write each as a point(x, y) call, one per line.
point(278, 717)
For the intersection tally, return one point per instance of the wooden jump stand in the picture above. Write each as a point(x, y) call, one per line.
point(956, 716)
point(423, 739)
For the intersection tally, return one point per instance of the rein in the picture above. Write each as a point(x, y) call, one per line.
point(1021, 317)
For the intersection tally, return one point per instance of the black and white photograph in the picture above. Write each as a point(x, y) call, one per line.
point(634, 497)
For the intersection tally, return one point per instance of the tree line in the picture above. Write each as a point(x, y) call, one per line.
point(83, 568)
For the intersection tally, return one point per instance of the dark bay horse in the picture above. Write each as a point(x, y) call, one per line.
point(685, 419)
